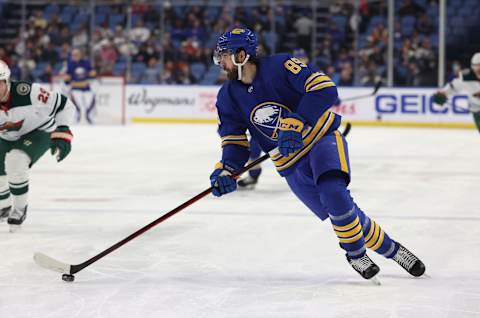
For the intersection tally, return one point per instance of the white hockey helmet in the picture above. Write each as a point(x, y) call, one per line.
point(4, 71)
point(5, 74)
point(475, 59)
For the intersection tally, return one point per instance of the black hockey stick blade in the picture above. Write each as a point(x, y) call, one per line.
point(52, 264)
point(373, 93)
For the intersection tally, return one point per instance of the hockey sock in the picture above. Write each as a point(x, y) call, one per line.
point(342, 214)
point(376, 238)
point(5, 199)
point(16, 166)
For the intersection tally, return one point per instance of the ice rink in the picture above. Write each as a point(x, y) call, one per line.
point(250, 254)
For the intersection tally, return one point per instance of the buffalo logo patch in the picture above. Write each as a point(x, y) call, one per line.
point(265, 118)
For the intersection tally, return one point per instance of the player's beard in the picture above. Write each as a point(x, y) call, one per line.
point(232, 74)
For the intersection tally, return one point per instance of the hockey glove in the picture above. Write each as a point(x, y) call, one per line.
point(439, 98)
point(290, 134)
point(222, 180)
point(61, 139)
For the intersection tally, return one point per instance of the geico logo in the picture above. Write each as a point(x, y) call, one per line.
point(419, 104)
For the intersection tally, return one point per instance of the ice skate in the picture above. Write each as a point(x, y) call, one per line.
point(247, 183)
point(409, 262)
point(4, 213)
point(364, 266)
point(16, 219)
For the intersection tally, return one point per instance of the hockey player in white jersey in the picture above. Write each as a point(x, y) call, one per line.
point(32, 120)
point(467, 82)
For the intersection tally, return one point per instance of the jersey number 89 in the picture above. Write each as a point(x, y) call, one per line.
point(294, 65)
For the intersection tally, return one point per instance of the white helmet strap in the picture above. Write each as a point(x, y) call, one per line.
point(239, 65)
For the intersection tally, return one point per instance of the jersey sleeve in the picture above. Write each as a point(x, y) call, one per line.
point(455, 85)
point(318, 90)
point(58, 109)
point(232, 131)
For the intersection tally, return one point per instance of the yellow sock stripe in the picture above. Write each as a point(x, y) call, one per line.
point(380, 240)
point(317, 80)
point(369, 243)
point(240, 143)
point(321, 86)
point(370, 232)
point(341, 151)
point(347, 227)
point(353, 239)
point(352, 232)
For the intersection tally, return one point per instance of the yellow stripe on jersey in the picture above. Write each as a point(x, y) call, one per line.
point(341, 151)
point(313, 135)
point(312, 77)
point(320, 86)
point(80, 84)
point(316, 81)
point(240, 140)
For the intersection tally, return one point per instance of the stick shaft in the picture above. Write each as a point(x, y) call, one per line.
point(76, 268)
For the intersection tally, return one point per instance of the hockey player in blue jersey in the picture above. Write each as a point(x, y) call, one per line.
point(251, 180)
point(284, 105)
point(81, 81)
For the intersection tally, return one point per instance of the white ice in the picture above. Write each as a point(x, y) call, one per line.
point(249, 254)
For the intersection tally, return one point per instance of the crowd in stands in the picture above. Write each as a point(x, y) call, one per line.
point(171, 44)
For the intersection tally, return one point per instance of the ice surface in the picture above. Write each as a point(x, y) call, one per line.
point(249, 254)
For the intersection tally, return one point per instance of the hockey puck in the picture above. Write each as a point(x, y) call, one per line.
point(68, 278)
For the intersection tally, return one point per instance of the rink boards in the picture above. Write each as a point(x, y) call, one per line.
point(118, 103)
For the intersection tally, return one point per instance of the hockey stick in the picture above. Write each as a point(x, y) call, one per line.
point(375, 90)
point(68, 270)
point(345, 132)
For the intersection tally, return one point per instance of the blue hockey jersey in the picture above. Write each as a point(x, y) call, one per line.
point(79, 74)
point(282, 85)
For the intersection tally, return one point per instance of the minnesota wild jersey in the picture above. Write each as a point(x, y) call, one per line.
point(32, 107)
point(468, 83)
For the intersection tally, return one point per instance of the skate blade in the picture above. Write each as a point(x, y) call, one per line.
point(14, 228)
point(375, 281)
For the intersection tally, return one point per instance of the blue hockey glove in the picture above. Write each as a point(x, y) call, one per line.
point(290, 134)
point(222, 180)
point(61, 142)
point(439, 98)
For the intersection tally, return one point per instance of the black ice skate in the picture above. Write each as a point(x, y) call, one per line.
point(4, 213)
point(16, 218)
point(248, 183)
point(409, 262)
point(364, 266)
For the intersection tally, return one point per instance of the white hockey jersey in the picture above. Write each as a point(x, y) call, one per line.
point(30, 107)
point(467, 83)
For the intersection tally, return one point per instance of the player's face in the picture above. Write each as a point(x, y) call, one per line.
point(476, 69)
point(225, 61)
point(3, 91)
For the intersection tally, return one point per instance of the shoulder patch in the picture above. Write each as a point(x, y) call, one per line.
point(23, 89)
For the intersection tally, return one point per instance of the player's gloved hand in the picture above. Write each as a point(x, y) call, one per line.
point(222, 179)
point(290, 134)
point(439, 98)
point(61, 142)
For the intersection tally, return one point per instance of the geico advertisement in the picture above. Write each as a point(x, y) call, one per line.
point(161, 101)
point(401, 104)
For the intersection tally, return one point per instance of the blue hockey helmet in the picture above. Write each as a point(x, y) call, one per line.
point(230, 42)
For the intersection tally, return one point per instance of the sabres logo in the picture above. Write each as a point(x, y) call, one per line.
point(265, 117)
